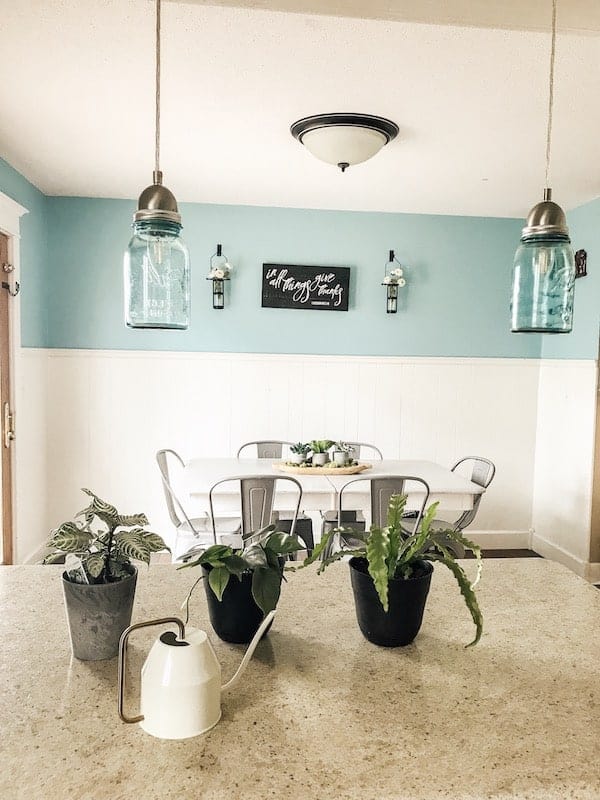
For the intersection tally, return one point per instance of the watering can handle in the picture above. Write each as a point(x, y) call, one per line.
point(123, 654)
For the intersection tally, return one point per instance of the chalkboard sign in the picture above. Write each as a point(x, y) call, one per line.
point(296, 286)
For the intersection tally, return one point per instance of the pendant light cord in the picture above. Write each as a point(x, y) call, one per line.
point(157, 118)
point(551, 93)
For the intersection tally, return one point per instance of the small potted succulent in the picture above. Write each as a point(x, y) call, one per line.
point(243, 585)
point(99, 580)
point(342, 454)
point(391, 570)
point(299, 452)
point(319, 448)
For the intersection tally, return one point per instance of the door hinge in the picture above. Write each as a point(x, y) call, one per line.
point(9, 431)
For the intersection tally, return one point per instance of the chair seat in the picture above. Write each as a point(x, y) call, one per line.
point(303, 531)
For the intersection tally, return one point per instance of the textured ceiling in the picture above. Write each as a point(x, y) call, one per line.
point(76, 93)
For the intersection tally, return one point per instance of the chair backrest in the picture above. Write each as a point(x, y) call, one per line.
point(364, 450)
point(174, 505)
point(257, 494)
point(266, 448)
point(382, 487)
point(482, 472)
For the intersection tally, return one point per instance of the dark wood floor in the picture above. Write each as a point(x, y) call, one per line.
point(507, 554)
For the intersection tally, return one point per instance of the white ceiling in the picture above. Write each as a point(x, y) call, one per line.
point(76, 100)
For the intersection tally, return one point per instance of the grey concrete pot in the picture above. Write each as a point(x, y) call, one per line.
point(97, 615)
point(320, 459)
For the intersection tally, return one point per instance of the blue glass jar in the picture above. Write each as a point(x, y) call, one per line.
point(543, 284)
point(157, 276)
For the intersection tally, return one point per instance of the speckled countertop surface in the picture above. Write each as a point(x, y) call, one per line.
point(321, 713)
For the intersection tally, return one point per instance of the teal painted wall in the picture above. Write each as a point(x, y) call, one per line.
point(455, 304)
point(582, 342)
point(34, 256)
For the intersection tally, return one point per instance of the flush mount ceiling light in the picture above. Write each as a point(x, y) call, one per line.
point(344, 139)
point(156, 263)
point(544, 265)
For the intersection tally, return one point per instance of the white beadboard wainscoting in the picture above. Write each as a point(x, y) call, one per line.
point(107, 412)
point(564, 458)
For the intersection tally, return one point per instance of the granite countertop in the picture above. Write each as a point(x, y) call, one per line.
point(321, 713)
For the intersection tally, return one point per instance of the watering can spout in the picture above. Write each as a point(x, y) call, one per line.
point(249, 652)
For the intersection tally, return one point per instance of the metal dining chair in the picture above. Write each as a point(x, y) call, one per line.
point(266, 448)
point(257, 495)
point(359, 450)
point(381, 489)
point(481, 471)
point(274, 449)
point(197, 530)
point(364, 450)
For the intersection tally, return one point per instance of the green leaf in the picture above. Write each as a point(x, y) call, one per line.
point(70, 538)
point(154, 542)
point(283, 543)
point(54, 558)
point(465, 589)
point(428, 517)
point(116, 569)
point(319, 547)
point(255, 556)
point(235, 564)
point(104, 511)
point(128, 521)
point(94, 564)
point(131, 545)
point(266, 588)
point(378, 545)
point(395, 511)
point(218, 578)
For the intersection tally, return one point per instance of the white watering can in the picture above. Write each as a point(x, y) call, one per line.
point(181, 680)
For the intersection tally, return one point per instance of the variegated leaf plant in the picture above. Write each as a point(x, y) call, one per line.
point(392, 552)
point(105, 554)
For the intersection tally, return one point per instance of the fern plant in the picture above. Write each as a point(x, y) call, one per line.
point(393, 553)
point(105, 554)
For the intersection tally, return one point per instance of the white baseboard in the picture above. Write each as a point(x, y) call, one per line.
point(35, 556)
point(500, 540)
point(585, 569)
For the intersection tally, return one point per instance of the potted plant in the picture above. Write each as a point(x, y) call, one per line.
point(319, 448)
point(99, 581)
point(299, 452)
point(391, 569)
point(341, 454)
point(243, 585)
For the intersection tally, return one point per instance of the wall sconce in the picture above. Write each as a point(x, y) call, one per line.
point(220, 270)
point(393, 280)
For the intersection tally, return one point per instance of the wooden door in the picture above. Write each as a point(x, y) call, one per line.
point(5, 411)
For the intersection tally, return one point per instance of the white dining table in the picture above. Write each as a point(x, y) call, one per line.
point(320, 492)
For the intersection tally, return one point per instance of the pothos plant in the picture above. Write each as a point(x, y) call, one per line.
point(392, 553)
point(105, 554)
point(263, 556)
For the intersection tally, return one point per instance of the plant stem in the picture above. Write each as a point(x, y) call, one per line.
point(109, 546)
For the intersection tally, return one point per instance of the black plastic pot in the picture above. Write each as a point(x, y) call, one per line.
point(97, 615)
point(400, 625)
point(236, 617)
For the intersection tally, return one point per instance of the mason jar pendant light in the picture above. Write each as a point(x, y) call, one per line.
point(544, 265)
point(156, 263)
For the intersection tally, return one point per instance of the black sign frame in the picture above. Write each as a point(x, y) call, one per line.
point(305, 287)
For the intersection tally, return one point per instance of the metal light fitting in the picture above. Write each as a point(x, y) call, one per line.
point(344, 139)
point(544, 269)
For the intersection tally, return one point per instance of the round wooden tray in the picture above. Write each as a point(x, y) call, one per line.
point(296, 469)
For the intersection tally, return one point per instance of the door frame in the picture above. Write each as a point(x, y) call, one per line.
point(10, 225)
